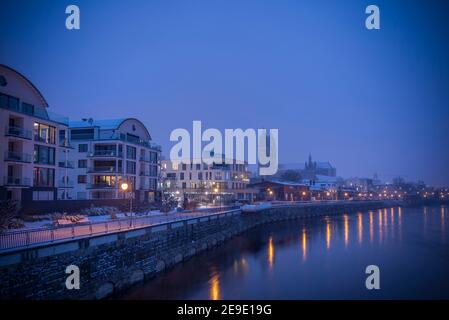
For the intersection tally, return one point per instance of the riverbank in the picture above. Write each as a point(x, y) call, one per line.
point(111, 263)
point(318, 258)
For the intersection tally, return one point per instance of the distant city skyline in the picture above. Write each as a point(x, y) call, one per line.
point(367, 101)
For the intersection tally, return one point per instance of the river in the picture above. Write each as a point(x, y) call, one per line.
point(319, 258)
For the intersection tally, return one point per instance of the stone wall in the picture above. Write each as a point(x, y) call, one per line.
point(112, 262)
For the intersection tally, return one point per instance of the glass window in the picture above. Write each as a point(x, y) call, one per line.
point(82, 179)
point(43, 177)
point(82, 147)
point(82, 134)
point(130, 167)
point(131, 152)
point(82, 163)
point(44, 133)
point(44, 155)
point(27, 108)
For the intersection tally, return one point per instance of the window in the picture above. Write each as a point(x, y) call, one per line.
point(62, 137)
point(130, 152)
point(82, 163)
point(82, 134)
point(82, 179)
point(130, 167)
point(200, 176)
point(9, 102)
point(198, 166)
point(153, 157)
point(27, 108)
point(44, 155)
point(181, 176)
point(132, 138)
point(43, 195)
point(82, 147)
point(184, 166)
point(184, 185)
point(44, 133)
point(43, 177)
point(153, 171)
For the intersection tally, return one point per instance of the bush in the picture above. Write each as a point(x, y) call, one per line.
point(8, 216)
point(100, 211)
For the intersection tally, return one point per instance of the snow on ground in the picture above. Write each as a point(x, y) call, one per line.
point(48, 223)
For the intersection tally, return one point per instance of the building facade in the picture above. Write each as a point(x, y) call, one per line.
point(215, 184)
point(34, 148)
point(111, 152)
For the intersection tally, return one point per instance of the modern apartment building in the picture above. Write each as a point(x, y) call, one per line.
point(110, 152)
point(217, 184)
point(34, 149)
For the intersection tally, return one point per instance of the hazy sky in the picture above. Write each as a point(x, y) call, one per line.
point(368, 101)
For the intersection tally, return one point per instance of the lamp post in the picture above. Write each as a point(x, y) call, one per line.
point(126, 188)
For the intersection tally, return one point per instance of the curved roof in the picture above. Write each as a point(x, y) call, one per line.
point(108, 124)
point(32, 86)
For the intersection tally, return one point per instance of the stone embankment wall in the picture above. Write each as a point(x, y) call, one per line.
point(112, 262)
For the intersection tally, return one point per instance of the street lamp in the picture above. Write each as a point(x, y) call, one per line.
point(126, 188)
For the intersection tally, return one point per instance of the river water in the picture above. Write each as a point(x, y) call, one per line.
point(320, 258)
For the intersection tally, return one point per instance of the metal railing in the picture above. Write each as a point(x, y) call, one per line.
point(25, 238)
point(103, 169)
point(66, 164)
point(18, 132)
point(65, 184)
point(106, 153)
point(17, 181)
point(17, 156)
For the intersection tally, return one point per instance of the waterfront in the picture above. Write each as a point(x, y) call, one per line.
point(321, 258)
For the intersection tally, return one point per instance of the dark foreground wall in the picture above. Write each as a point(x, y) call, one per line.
point(112, 262)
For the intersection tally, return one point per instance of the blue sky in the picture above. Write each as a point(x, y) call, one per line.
point(368, 101)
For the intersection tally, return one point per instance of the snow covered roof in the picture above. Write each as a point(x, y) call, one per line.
point(324, 165)
point(102, 124)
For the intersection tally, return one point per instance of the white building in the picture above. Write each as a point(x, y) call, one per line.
point(109, 152)
point(216, 184)
point(33, 143)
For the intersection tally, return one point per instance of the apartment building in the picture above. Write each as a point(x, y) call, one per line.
point(216, 184)
point(34, 149)
point(110, 152)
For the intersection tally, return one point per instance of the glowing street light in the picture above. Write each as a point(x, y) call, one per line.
point(124, 186)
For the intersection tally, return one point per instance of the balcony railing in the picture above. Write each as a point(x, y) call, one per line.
point(65, 184)
point(65, 143)
point(66, 164)
point(106, 153)
point(104, 169)
point(101, 186)
point(17, 181)
point(18, 132)
point(17, 156)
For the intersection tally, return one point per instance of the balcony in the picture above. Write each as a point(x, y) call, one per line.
point(145, 173)
point(17, 157)
point(101, 186)
point(65, 184)
point(145, 158)
point(18, 132)
point(66, 164)
point(17, 182)
point(65, 144)
point(104, 169)
point(106, 154)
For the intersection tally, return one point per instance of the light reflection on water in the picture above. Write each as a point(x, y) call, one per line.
point(261, 264)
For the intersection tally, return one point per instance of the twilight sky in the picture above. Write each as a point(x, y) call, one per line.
point(368, 101)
